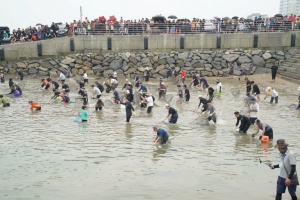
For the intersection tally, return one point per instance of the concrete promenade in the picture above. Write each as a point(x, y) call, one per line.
point(159, 43)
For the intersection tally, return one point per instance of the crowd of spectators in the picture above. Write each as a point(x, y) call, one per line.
point(155, 25)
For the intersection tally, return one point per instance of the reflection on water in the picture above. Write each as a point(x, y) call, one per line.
point(45, 155)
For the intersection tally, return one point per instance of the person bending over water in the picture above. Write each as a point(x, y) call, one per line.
point(172, 116)
point(99, 105)
point(4, 101)
point(35, 105)
point(162, 136)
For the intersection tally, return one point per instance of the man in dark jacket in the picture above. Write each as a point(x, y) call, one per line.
point(255, 90)
point(245, 122)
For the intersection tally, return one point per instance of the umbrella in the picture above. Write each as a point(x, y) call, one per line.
point(172, 17)
point(248, 20)
point(39, 24)
point(279, 15)
point(158, 18)
point(112, 18)
point(182, 20)
point(235, 17)
point(102, 18)
point(226, 18)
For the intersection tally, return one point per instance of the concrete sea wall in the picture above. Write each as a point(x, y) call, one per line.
point(55, 48)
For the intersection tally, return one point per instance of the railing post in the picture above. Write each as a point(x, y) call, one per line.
point(145, 42)
point(1, 54)
point(182, 42)
point(255, 41)
point(293, 39)
point(39, 49)
point(109, 45)
point(218, 42)
point(72, 45)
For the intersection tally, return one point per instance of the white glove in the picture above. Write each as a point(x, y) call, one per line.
point(210, 115)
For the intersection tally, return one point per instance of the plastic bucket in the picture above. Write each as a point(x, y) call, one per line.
point(265, 139)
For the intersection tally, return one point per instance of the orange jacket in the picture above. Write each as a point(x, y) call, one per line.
point(35, 105)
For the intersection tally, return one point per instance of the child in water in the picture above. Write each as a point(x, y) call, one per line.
point(99, 105)
point(35, 105)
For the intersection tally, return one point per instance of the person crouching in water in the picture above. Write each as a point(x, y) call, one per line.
point(45, 83)
point(162, 135)
point(129, 108)
point(172, 114)
point(99, 105)
point(56, 94)
point(65, 98)
point(162, 90)
point(4, 101)
point(35, 105)
point(14, 91)
point(108, 87)
point(84, 96)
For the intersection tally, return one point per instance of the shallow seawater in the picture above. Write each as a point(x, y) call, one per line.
point(45, 155)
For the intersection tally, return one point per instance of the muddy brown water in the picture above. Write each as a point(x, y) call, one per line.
point(45, 155)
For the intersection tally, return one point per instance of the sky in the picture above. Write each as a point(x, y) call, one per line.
point(16, 14)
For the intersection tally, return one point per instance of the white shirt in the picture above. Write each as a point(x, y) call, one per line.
point(115, 74)
point(219, 85)
point(62, 76)
point(97, 91)
point(254, 106)
point(149, 101)
point(113, 81)
point(85, 76)
point(287, 159)
point(274, 93)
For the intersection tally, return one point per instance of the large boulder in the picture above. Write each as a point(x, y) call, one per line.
point(32, 71)
point(170, 60)
point(115, 65)
point(198, 65)
point(159, 68)
point(88, 64)
point(163, 73)
point(230, 57)
point(106, 73)
point(48, 65)
point(66, 67)
point(78, 61)
point(243, 59)
point(204, 56)
point(33, 65)
point(162, 61)
point(67, 61)
point(130, 71)
point(267, 56)
point(132, 59)
point(183, 56)
point(21, 65)
point(256, 52)
point(145, 60)
point(216, 65)
point(258, 61)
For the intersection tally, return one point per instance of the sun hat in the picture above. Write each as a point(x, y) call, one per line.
point(200, 96)
point(268, 89)
point(280, 143)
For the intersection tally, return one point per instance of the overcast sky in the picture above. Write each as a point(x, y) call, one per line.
point(20, 13)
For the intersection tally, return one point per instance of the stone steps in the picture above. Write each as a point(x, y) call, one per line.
point(291, 75)
point(290, 68)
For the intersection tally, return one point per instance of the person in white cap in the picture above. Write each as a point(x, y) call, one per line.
point(273, 93)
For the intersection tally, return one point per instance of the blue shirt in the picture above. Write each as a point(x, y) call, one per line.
point(84, 114)
point(116, 94)
point(267, 127)
point(203, 80)
point(143, 88)
point(162, 133)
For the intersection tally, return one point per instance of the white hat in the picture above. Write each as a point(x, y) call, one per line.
point(162, 83)
point(200, 96)
point(147, 68)
point(103, 83)
point(268, 89)
point(167, 105)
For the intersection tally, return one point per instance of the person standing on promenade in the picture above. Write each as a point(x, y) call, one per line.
point(287, 171)
point(274, 69)
point(162, 135)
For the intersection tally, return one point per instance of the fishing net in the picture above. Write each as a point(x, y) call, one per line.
point(169, 98)
point(235, 93)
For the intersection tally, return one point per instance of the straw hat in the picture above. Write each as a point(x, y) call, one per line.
point(268, 89)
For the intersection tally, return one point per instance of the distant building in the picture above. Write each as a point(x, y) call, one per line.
point(253, 15)
point(288, 7)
